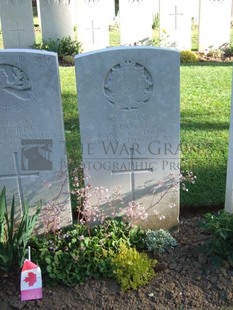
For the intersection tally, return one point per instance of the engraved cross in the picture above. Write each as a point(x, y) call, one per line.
point(93, 31)
point(18, 30)
point(18, 176)
point(176, 14)
point(132, 171)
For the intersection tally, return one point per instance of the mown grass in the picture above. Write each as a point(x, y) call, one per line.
point(205, 113)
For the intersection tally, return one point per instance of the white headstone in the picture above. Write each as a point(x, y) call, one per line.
point(195, 11)
point(17, 23)
point(57, 18)
point(33, 163)
point(175, 24)
point(93, 21)
point(214, 24)
point(128, 101)
point(110, 9)
point(136, 18)
point(229, 177)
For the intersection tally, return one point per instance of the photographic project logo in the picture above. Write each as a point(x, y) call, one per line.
point(36, 154)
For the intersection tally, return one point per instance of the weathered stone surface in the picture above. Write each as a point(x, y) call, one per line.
point(129, 122)
point(17, 23)
point(33, 163)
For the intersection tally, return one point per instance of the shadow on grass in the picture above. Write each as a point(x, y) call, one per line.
point(211, 126)
point(72, 124)
point(208, 64)
point(209, 188)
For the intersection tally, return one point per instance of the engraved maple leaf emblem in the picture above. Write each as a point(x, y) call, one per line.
point(30, 279)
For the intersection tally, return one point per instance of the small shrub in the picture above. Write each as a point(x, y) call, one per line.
point(132, 269)
point(68, 47)
point(63, 47)
point(219, 226)
point(227, 52)
point(188, 57)
point(159, 241)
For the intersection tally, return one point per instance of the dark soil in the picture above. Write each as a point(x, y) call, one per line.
point(185, 279)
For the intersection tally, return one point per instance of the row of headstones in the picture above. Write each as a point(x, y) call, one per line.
point(128, 100)
point(93, 17)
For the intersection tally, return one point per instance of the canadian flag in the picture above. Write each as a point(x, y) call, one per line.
point(31, 281)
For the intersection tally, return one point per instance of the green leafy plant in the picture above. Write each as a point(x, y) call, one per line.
point(219, 227)
point(14, 235)
point(74, 254)
point(131, 268)
point(188, 57)
point(159, 241)
point(137, 237)
point(227, 52)
point(66, 48)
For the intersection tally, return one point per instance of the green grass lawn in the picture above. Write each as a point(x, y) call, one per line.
point(205, 113)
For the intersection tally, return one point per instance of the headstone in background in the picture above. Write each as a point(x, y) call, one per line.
point(33, 164)
point(195, 11)
point(38, 12)
point(136, 18)
point(17, 23)
point(231, 10)
point(93, 19)
point(128, 101)
point(214, 24)
point(175, 24)
point(110, 8)
point(229, 177)
point(57, 18)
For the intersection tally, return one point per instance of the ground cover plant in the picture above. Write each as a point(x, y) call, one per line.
point(72, 255)
point(219, 227)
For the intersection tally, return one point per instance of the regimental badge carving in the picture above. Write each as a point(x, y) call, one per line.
point(15, 89)
point(128, 85)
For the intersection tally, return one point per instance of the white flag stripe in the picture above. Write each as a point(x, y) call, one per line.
point(25, 285)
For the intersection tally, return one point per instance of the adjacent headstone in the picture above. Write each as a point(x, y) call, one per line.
point(175, 24)
point(128, 101)
point(136, 18)
point(195, 11)
point(17, 23)
point(57, 18)
point(214, 24)
point(33, 164)
point(93, 19)
point(229, 178)
point(110, 9)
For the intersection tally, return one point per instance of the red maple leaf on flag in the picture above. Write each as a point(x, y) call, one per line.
point(30, 279)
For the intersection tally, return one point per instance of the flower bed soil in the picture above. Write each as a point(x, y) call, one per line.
point(184, 279)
